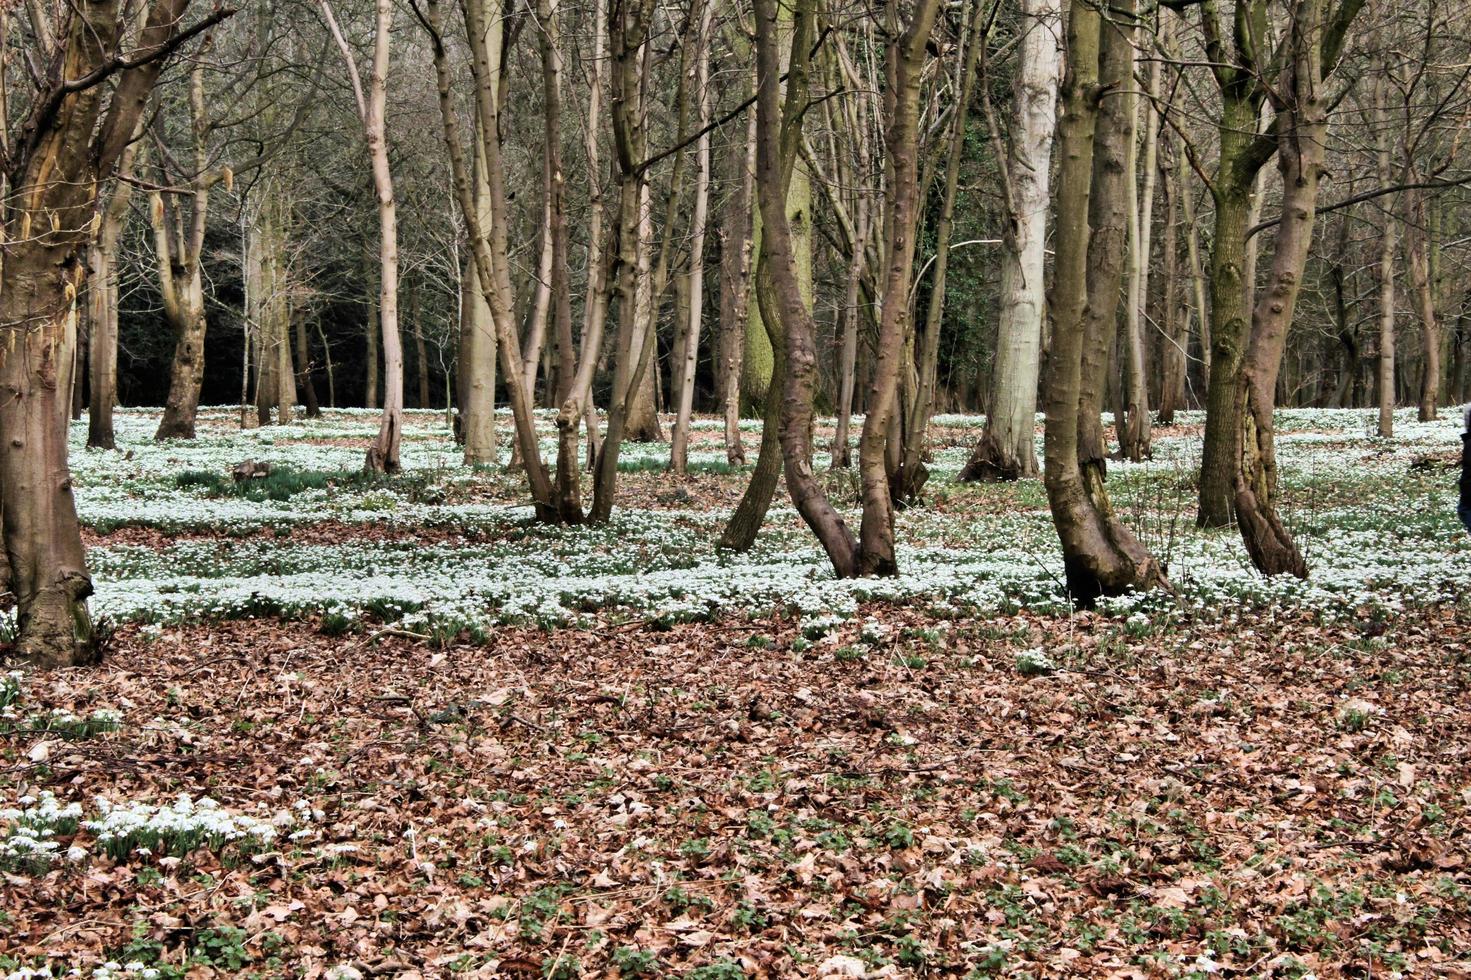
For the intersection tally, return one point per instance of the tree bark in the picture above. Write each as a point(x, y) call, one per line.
point(102, 294)
point(786, 313)
point(181, 282)
point(52, 184)
point(1100, 556)
point(735, 290)
point(909, 480)
point(383, 455)
point(1303, 121)
point(1007, 449)
point(1134, 426)
point(679, 448)
point(906, 58)
point(1417, 262)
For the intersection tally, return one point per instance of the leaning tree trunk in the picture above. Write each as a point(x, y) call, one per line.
point(1304, 124)
point(745, 522)
point(1007, 449)
point(907, 51)
point(785, 310)
point(383, 455)
point(1100, 556)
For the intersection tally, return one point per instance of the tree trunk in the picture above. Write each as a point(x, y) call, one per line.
point(779, 290)
point(1229, 306)
point(906, 63)
point(53, 185)
point(576, 405)
point(1133, 428)
point(911, 476)
point(102, 293)
point(1175, 344)
point(489, 241)
point(373, 331)
point(304, 370)
point(1417, 261)
point(1007, 449)
point(1100, 556)
point(1387, 247)
point(679, 449)
point(478, 343)
point(180, 277)
point(383, 455)
point(842, 452)
point(735, 289)
point(750, 513)
point(641, 424)
point(1303, 120)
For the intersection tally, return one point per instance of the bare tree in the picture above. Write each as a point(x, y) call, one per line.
point(1100, 556)
point(1007, 450)
point(383, 454)
point(70, 137)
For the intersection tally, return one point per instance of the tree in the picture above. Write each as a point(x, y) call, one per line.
point(70, 138)
point(679, 445)
point(383, 454)
point(102, 295)
point(1007, 448)
point(779, 288)
point(1302, 120)
point(1243, 67)
point(905, 63)
point(1100, 556)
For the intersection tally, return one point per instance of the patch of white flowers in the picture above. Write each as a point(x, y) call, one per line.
point(111, 970)
point(123, 831)
point(176, 828)
point(28, 832)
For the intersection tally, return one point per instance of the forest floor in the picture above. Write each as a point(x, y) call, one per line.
point(349, 727)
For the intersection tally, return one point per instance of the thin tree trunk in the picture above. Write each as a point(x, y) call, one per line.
point(383, 455)
point(102, 292)
point(842, 452)
point(327, 366)
point(912, 474)
point(679, 448)
point(907, 58)
point(735, 290)
point(490, 241)
point(1134, 426)
point(1175, 343)
point(1417, 261)
point(304, 369)
point(1387, 245)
